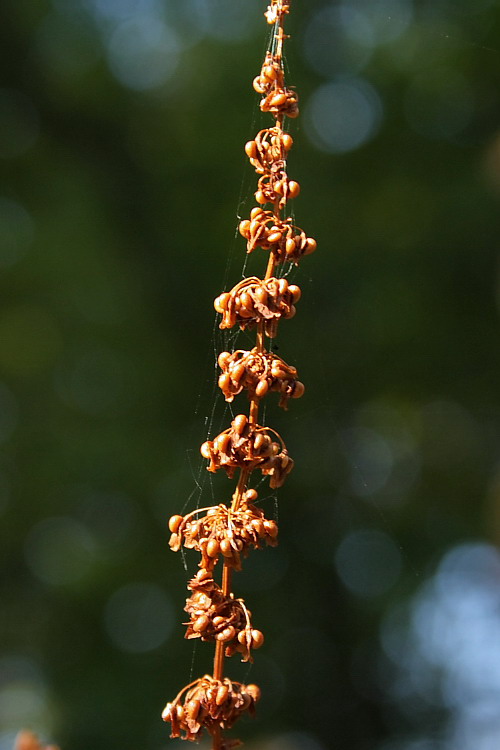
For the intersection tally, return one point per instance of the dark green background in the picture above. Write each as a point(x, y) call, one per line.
point(118, 216)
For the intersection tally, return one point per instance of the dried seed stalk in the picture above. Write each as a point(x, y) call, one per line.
point(227, 533)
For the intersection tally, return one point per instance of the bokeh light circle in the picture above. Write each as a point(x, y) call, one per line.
point(343, 115)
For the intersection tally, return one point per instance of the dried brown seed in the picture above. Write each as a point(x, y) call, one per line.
point(261, 388)
point(174, 523)
point(225, 548)
point(257, 638)
point(239, 423)
point(253, 691)
point(278, 99)
point(251, 496)
point(205, 450)
point(223, 358)
point(311, 246)
point(193, 708)
point(274, 237)
point(287, 141)
point(272, 528)
point(227, 634)
point(295, 292)
point(244, 228)
point(293, 189)
point(213, 548)
point(222, 694)
point(298, 389)
point(200, 623)
point(251, 149)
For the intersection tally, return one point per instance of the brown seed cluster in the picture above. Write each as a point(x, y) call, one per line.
point(258, 373)
point(223, 532)
point(219, 617)
point(284, 239)
point(227, 533)
point(254, 301)
point(209, 703)
point(249, 446)
point(276, 9)
point(277, 99)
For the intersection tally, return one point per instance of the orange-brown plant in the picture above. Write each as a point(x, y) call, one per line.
point(227, 533)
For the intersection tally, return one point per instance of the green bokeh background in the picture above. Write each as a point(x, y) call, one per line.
point(118, 216)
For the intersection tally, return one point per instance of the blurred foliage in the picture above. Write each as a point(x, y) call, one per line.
point(123, 175)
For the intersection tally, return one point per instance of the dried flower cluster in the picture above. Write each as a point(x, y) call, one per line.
point(227, 533)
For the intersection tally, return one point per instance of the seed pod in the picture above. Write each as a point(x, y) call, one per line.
point(311, 246)
point(167, 712)
point(258, 443)
point(222, 442)
point(261, 295)
point(251, 496)
point(271, 528)
point(226, 635)
point(274, 237)
point(225, 548)
point(261, 388)
point(255, 212)
point(290, 246)
point(174, 523)
point(298, 389)
point(283, 286)
point(244, 228)
point(242, 637)
point(253, 691)
point(221, 302)
point(213, 548)
point(223, 359)
point(270, 72)
point(239, 423)
point(287, 141)
point(293, 189)
point(295, 292)
point(224, 381)
point(222, 694)
point(251, 149)
point(179, 710)
point(278, 99)
point(258, 526)
point(237, 372)
point(193, 708)
point(200, 623)
point(257, 638)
